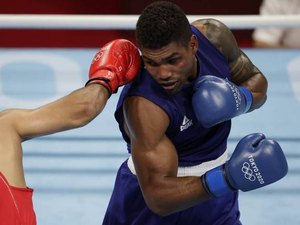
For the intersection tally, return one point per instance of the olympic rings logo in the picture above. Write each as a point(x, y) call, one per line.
point(248, 172)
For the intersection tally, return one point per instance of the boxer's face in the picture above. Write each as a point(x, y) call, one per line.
point(172, 66)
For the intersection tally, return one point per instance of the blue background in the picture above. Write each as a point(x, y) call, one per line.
point(73, 172)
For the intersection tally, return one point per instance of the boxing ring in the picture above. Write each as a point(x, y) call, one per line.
point(73, 172)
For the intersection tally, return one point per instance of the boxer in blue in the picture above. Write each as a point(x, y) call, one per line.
point(176, 117)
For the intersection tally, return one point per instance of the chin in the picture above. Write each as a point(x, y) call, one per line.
point(174, 91)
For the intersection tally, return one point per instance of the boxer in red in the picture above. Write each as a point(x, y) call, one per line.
point(111, 67)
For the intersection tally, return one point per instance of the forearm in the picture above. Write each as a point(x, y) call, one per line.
point(245, 73)
point(78, 108)
point(83, 105)
point(72, 111)
point(173, 194)
point(165, 192)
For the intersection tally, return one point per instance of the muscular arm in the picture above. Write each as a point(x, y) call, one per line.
point(72, 111)
point(17, 125)
point(156, 161)
point(243, 71)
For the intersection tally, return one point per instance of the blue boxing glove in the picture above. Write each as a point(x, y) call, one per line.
point(216, 100)
point(255, 162)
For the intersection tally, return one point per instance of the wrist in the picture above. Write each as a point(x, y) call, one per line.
point(103, 83)
point(105, 91)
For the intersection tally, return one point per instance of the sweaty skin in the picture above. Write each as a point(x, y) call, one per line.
point(154, 155)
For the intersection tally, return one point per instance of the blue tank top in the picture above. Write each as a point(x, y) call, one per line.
point(194, 143)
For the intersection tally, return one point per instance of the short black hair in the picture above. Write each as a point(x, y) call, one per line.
point(161, 23)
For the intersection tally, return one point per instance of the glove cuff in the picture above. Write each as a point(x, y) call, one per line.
point(215, 183)
point(248, 97)
point(101, 81)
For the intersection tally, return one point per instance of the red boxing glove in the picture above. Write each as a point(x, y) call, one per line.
point(115, 64)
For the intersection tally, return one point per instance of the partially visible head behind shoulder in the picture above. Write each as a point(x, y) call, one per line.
point(161, 23)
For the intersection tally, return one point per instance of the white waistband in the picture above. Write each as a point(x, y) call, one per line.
point(197, 170)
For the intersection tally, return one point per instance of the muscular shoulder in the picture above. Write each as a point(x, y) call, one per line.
point(144, 119)
point(241, 67)
point(220, 36)
point(143, 110)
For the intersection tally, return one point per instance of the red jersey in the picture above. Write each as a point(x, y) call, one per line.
point(16, 206)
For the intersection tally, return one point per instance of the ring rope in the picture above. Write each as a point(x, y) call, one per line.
point(128, 22)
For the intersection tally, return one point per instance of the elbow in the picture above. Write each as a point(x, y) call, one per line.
point(158, 209)
point(259, 92)
point(158, 204)
point(262, 101)
point(259, 101)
